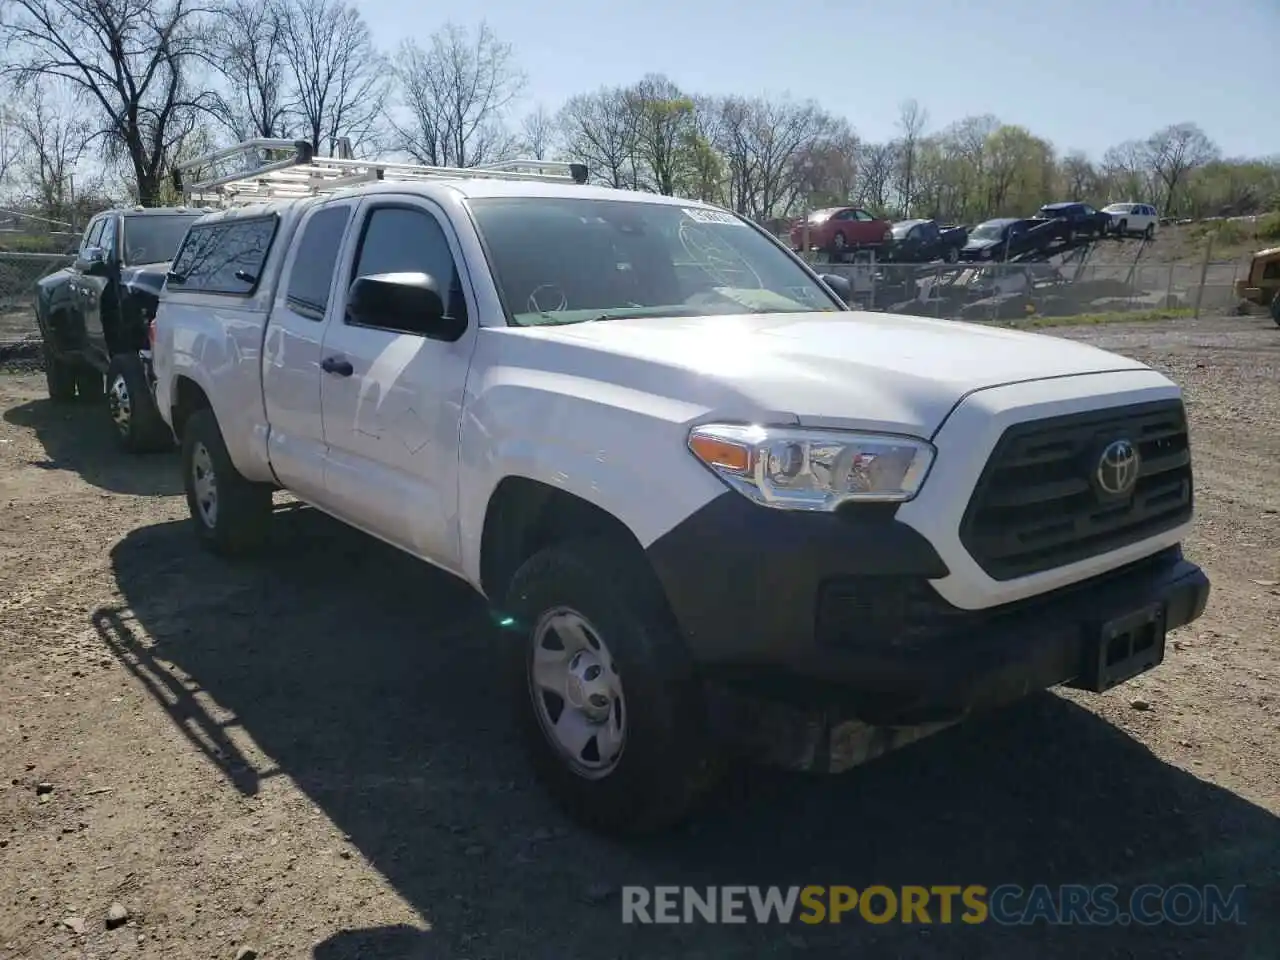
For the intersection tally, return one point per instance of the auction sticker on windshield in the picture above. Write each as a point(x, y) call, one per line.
point(711, 216)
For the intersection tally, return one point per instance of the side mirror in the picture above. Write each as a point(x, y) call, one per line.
point(93, 261)
point(840, 286)
point(403, 301)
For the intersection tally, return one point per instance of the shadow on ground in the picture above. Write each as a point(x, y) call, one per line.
point(78, 436)
point(369, 680)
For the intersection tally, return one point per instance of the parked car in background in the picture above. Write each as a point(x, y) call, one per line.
point(837, 229)
point(1133, 219)
point(1000, 239)
point(921, 241)
point(94, 317)
point(1075, 219)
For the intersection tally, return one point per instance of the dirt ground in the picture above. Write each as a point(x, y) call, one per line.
point(303, 756)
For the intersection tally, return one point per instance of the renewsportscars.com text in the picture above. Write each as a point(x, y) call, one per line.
point(1007, 904)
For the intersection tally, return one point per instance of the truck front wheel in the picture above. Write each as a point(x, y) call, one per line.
point(611, 710)
point(230, 513)
point(137, 422)
point(59, 375)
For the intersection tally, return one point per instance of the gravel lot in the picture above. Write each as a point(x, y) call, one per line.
point(304, 755)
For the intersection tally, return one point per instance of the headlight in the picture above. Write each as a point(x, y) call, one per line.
point(798, 469)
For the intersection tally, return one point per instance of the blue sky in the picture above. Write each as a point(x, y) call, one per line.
point(1083, 73)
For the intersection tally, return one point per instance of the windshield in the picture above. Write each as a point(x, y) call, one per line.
point(568, 260)
point(1118, 208)
point(988, 231)
point(154, 239)
point(900, 230)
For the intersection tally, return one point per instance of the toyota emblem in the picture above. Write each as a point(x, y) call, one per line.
point(1118, 468)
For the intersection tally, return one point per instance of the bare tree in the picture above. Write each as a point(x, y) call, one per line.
point(249, 51)
point(761, 141)
point(876, 163)
point(1079, 178)
point(1172, 153)
point(1126, 168)
point(130, 61)
point(538, 133)
point(10, 145)
point(54, 139)
point(457, 91)
point(664, 126)
point(912, 120)
point(338, 77)
point(600, 130)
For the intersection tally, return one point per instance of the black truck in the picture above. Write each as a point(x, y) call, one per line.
point(95, 317)
point(923, 241)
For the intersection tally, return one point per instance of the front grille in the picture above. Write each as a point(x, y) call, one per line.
point(1037, 505)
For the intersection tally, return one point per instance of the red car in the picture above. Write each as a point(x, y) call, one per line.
point(837, 229)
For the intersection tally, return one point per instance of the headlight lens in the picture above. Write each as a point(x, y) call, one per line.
point(797, 469)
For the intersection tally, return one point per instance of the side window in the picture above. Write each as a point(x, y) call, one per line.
point(863, 216)
point(94, 233)
point(1271, 271)
point(408, 240)
point(311, 276)
point(107, 240)
point(1087, 210)
point(224, 256)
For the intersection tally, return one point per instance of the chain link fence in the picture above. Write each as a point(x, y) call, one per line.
point(1010, 291)
point(952, 291)
point(19, 273)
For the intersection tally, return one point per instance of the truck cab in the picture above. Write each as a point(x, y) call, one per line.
point(94, 316)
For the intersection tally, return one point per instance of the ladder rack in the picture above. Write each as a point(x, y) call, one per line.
point(302, 174)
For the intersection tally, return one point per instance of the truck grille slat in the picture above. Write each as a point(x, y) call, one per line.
point(1038, 505)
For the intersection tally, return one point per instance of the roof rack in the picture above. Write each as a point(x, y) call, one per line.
point(302, 174)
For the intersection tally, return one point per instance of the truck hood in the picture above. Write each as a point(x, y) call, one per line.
point(144, 277)
point(850, 369)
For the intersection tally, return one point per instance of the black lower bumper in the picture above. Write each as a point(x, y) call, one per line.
point(835, 615)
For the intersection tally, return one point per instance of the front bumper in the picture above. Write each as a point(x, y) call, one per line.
point(833, 617)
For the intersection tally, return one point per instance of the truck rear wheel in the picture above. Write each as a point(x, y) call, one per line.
point(230, 513)
point(611, 711)
point(137, 422)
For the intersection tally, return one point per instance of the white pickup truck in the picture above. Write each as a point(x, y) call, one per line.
point(717, 511)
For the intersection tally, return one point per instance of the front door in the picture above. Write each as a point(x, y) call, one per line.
point(100, 293)
point(390, 397)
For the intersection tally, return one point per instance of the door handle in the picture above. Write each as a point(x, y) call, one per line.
point(336, 366)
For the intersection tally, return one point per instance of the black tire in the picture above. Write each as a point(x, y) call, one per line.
point(59, 375)
point(132, 407)
point(1123, 228)
point(1150, 232)
point(238, 523)
point(1275, 308)
point(89, 383)
point(667, 762)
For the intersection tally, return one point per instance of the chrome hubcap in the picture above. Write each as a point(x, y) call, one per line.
point(120, 404)
point(205, 485)
point(577, 693)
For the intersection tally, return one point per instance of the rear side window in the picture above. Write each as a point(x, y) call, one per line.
point(311, 277)
point(225, 256)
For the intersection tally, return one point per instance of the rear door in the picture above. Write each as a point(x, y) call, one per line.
point(391, 398)
point(307, 299)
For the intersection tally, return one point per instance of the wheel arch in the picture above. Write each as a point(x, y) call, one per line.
point(188, 397)
point(524, 516)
